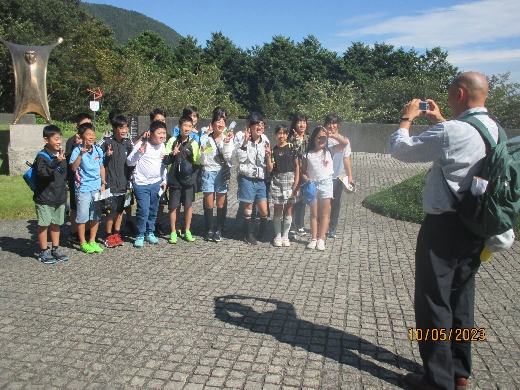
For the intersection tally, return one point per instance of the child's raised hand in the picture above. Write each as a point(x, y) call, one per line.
point(61, 155)
point(84, 148)
point(176, 149)
point(110, 152)
point(267, 150)
point(229, 136)
point(202, 148)
point(142, 149)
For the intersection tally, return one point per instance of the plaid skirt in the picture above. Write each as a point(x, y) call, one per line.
point(282, 182)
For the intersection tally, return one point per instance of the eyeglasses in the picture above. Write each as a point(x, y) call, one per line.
point(322, 138)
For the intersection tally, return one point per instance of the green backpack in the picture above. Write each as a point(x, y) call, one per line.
point(495, 211)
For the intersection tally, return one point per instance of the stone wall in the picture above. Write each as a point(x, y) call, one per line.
point(7, 119)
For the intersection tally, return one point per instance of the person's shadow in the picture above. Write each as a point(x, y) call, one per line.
point(283, 324)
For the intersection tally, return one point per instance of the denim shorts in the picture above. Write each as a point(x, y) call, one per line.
point(212, 182)
point(251, 190)
point(325, 188)
point(88, 207)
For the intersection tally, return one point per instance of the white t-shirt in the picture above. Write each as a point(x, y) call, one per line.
point(149, 167)
point(319, 167)
point(339, 167)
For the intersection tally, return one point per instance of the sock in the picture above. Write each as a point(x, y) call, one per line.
point(208, 218)
point(54, 248)
point(220, 213)
point(287, 222)
point(261, 228)
point(116, 232)
point(277, 220)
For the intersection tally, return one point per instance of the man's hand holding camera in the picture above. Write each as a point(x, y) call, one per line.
point(416, 107)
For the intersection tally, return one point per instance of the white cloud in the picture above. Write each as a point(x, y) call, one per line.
point(482, 56)
point(458, 25)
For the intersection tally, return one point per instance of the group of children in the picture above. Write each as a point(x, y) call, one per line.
point(101, 175)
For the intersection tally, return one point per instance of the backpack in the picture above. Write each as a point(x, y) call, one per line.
point(309, 192)
point(496, 210)
point(30, 175)
point(185, 167)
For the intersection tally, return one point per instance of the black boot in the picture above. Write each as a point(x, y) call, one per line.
point(261, 228)
point(208, 221)
point(250, 239)
point(221, 219)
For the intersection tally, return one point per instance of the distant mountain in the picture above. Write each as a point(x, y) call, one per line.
point(127, 24)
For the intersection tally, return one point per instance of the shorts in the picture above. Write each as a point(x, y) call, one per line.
point(89, 209)
point(212, 182)
point(180, 196)
point(325, 189)
point(251, 190)
point(114, 205)
point(50, 214)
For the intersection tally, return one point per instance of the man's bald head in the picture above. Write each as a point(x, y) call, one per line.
point(467, 90)
point(475, 84)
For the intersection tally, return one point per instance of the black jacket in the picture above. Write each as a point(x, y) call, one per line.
point(186, 153)
point(51, 180)
point(117, 172)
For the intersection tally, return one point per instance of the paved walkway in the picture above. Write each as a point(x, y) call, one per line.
point(228, 315)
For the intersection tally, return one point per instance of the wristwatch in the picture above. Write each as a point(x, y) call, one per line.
point(104, 182)
point(406, 119)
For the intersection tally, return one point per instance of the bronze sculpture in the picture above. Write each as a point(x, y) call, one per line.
point(30, 76)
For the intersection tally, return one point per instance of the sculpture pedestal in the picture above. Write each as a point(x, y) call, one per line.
point(25, 142)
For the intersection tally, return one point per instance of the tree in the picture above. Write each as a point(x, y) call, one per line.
point(187, 55)
point(81, 61)
point(235, 64)
point(503, 100)
point(151, 47)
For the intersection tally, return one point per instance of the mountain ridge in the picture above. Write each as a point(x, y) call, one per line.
point(127, 24)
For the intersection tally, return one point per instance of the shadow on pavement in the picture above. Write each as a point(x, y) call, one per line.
point(282, 323)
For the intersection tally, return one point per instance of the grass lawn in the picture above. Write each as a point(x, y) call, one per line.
point(403, 201)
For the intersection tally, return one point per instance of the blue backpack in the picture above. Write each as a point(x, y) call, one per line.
point(30, 175)
point(309, 192)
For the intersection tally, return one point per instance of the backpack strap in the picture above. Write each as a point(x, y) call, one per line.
point(482, 129)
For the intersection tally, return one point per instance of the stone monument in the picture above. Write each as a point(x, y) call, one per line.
point(30, 75)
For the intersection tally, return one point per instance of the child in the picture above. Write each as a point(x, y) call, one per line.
point(182, 153)
point(193, 113)
point(50, 194)
point(299, 139)
point(215, 153)
point(317, 167)
point(71, 144)
point(87, 163)
point(341, 164)
point(116, 149)
point(284, 185)
point(129, 224)
point(251, 148)
point(159, 114)
point(149, 181)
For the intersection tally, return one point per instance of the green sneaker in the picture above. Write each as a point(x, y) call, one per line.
point(95, 247)
point(173, 238)
point(85, 247)
point(188, 236)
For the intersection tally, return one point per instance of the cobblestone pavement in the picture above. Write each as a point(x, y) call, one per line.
point(228, 315)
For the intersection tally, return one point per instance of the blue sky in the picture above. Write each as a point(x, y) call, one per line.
point(481, 35)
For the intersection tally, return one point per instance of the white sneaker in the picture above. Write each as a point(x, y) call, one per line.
point(312, 244)
point(278, 241)
point(285, 241)
point(320, 245)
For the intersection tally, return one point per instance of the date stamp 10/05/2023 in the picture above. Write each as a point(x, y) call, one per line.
point(447, 334)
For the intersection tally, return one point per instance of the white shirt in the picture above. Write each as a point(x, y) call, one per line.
point(149, 167)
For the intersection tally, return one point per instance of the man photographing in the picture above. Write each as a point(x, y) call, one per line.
point(447, 254)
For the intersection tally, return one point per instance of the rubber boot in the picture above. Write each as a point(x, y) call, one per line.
point(261, 228)
point(250, 239)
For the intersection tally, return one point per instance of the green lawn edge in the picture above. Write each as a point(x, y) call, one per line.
point(403, 201)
